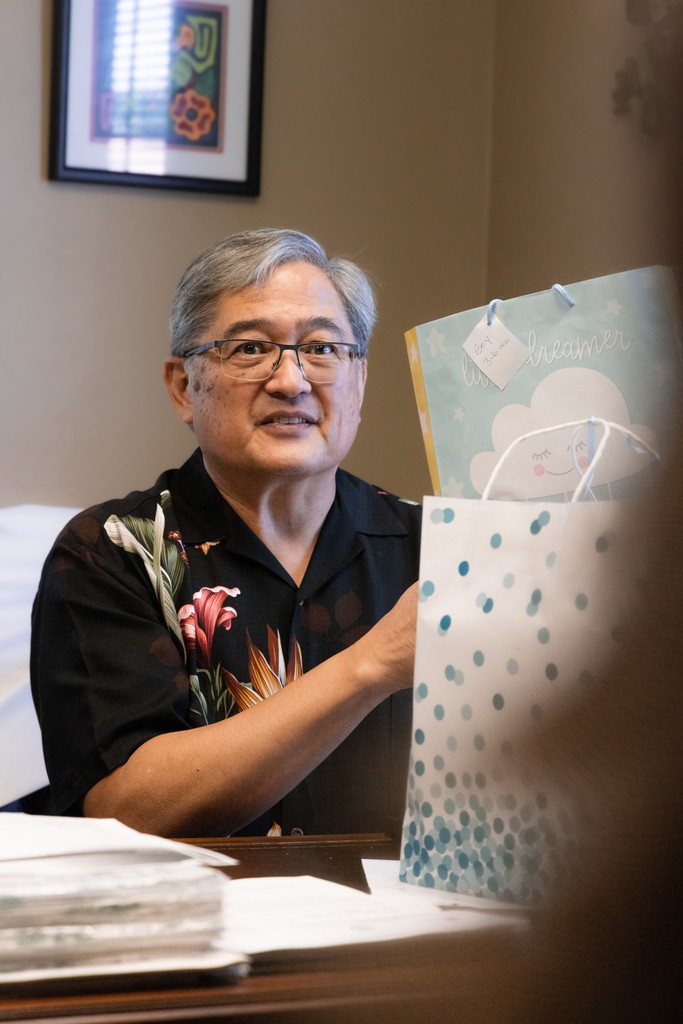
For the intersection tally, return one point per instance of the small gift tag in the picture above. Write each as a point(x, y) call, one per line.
point(496, 351)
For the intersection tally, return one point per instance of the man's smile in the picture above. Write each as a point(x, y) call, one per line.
point(282, 419)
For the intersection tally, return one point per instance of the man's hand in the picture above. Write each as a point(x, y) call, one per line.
point(389, 647)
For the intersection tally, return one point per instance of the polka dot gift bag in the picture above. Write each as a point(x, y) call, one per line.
point(520, 606)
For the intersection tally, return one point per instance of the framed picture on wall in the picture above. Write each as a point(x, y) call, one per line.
point(159, 93)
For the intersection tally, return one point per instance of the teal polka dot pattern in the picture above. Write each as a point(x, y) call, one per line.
point(537, 524)
point(519, 607)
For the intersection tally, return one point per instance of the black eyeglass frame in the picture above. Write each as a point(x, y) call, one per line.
point(353, 348)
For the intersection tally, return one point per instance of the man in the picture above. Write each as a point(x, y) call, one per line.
point(221, 652)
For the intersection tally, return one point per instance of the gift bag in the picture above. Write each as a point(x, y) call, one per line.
point(521, 604)
point(607, 347)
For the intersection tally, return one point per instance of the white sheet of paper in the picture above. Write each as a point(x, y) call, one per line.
point(382, 877)
point(24, 837)
point(203, 960)
point(264, 914)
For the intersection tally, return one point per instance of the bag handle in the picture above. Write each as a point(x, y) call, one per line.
point(584, 483)
point(560, 289)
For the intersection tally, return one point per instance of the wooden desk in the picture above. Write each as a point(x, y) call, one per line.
point(334, 858)
point(390, 983)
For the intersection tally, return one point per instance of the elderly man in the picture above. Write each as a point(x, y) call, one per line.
point(230, 649)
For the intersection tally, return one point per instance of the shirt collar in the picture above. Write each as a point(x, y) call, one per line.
point(367, 510)
point(198, 503)
point(206, 516)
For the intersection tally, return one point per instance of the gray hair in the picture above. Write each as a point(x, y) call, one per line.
point(249, 258)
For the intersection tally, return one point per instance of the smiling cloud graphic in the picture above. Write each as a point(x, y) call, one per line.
point(552, 464)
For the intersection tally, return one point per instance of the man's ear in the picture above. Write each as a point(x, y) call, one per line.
point(363, 378)
point(178, 385)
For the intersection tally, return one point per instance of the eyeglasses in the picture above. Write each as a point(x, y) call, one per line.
point(321, 362)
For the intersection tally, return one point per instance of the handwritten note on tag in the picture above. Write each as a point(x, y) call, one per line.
point(496, 351)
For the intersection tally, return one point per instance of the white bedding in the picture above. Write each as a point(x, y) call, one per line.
point(26, 535)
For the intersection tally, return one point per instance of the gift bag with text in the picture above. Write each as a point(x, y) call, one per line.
point(607, 347)
point(520, 607)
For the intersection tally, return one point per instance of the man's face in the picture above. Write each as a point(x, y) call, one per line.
point(284, 426)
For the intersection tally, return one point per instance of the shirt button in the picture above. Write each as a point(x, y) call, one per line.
point(297, 832)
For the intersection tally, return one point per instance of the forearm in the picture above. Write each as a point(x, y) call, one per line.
point(215, 779)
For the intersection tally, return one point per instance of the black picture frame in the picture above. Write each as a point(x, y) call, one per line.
point(179, 107)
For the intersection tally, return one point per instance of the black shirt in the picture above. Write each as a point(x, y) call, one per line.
point(163, 611)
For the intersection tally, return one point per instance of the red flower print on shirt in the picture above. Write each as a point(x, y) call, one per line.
point(200, 620)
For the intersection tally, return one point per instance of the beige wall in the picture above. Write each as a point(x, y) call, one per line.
point(366, 126)
point(380, 120)
point(576, 191)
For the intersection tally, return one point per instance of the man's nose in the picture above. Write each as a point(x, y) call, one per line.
point(288, 375)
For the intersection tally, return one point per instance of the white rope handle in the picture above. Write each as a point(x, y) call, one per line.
point(607, 425)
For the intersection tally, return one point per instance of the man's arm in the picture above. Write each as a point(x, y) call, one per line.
point(215, 779)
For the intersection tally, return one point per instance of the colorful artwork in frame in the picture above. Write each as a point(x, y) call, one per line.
point(164, 93)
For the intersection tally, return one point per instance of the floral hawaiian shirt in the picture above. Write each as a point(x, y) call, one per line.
point(163, 611)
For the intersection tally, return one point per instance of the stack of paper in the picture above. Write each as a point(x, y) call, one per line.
point(82, 896)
